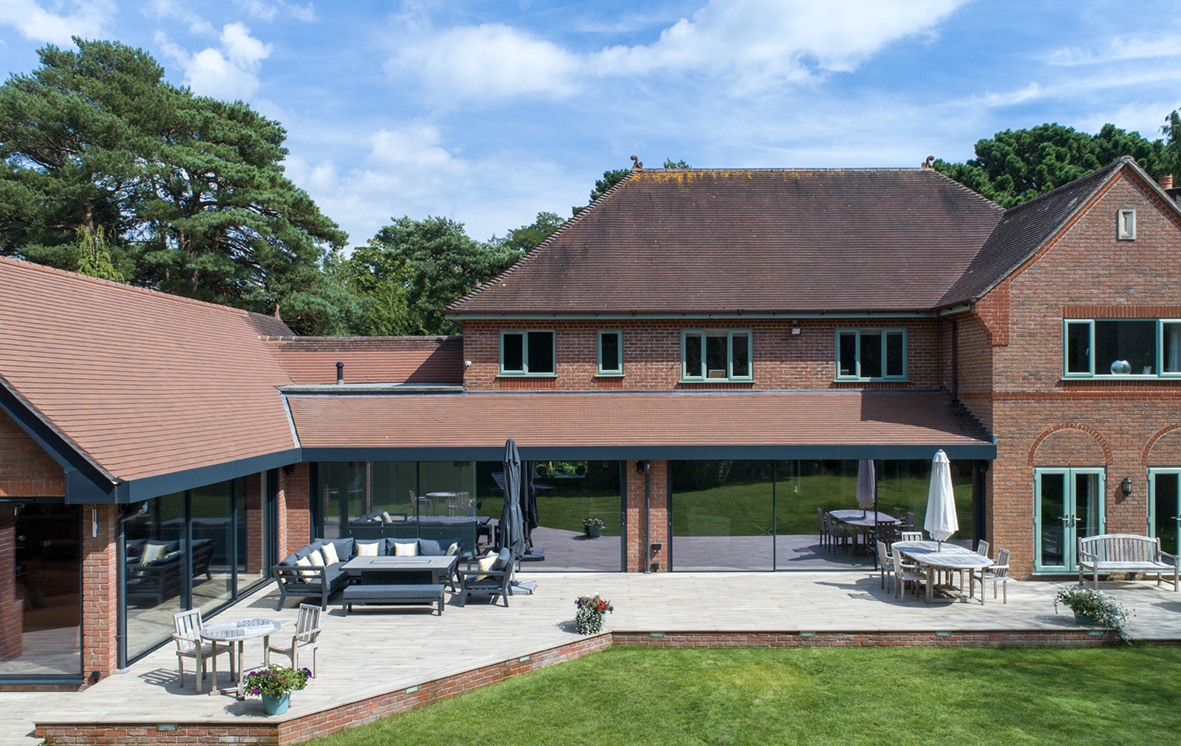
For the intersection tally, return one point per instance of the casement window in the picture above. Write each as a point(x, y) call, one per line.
point(716, 355)
point(1107, 348)
point(871, 354)
point(527, 353)
point(610, 352)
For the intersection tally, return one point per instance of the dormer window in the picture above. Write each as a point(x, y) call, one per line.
point(1126, 225)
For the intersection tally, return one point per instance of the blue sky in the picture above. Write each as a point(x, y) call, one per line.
point(491, 112)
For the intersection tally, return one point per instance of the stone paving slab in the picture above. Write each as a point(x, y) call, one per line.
point(381, 649)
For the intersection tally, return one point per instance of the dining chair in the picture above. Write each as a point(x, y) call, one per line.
point(305, 639)
point(897, 513)
point(422, 505)
point(908, 522)
point(905, 572)
point(885, 565)
point(820, 521)
point(998, 573)
point(188, 639)
point(911, 536)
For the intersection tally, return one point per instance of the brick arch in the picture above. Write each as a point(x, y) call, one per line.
point(1153, 441)
point(1075, 427)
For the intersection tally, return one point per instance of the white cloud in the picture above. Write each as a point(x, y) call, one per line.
point(86, 18)
point(750, 44)
point(230, 72)
point(172, 9)
point(1118, 50)
point(268, 10)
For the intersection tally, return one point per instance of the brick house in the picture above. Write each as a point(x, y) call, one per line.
point(700, 359)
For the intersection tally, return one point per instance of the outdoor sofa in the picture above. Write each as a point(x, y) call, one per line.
point(155, 581)
point(302, 581)
point(382, 525)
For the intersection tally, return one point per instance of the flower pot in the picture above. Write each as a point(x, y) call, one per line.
point(594, 532)
point(1084, 620)
point(276, 705)
point(588, 622)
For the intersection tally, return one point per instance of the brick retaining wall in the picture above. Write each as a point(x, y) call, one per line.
point(325, 722)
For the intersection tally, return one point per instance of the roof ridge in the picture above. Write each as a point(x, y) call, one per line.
point(972, 192)
point(25, 263)
point(532, 254)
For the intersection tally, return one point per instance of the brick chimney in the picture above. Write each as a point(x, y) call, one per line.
point(1166, 181)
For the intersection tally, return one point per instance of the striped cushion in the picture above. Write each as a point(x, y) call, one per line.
point(487, 563)
point(330, 555)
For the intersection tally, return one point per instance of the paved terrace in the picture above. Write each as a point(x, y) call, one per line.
point(383, 649)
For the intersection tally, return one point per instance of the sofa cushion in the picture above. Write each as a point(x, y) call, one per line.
point(487, 562)
point(503, 559)
point(344, 548)
point(288, 561)
point(305, 550)
point(316, 558)
point(305, 575)
point(328, 551)
point(153, 550)
point(370, 548)
point(134, 547)
point(336, 576)
point(430, 548)
point(406, 549)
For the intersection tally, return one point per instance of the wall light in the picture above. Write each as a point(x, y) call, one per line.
point(1126, 486)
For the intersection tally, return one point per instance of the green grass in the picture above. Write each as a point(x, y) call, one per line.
point(903, 696)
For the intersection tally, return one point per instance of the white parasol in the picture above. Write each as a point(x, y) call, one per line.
point(941, 521)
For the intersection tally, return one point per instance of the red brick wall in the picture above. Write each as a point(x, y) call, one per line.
point(100, 580)
point(652, 354)
point(636, 516)
point(25, 469)
point(11, 617)
point(254, 524)
point(1013, 380)
point(294, 509)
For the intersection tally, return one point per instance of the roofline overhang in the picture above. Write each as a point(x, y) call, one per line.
point(84, 480)
point(146, 488)
point(981, 450)
point(623, 315)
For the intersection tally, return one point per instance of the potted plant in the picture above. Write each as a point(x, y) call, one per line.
point(593, 526)
point(588, 620)
point(1091, 607)
point(275, 683)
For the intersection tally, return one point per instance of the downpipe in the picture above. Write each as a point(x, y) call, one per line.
point(646, 466)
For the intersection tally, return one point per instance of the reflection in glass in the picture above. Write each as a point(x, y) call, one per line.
point(40, 631)
point(213, 548)
point(1125, 341)
point(1052, 528)
point(871, 355)
point(343, 493)
point(1166, 510)
point(1078, 347)
point(156, 549)
point(722, 515)
point(693, 367)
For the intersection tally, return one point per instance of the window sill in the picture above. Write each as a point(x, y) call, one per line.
point(1130, 377)
point(717, 380)
point(608, 375)
point(871, 380)
point(527, 375)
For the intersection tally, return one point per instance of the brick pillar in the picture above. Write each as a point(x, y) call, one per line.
point(11, 616)
point(658, 534)
point(254, 523)
point(294, 509)
point(99, 591)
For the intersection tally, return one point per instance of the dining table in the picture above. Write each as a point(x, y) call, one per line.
point(863, 519)
point(230, 632)
point(937, 556)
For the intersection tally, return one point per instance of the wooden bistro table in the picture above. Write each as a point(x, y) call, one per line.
point(238, 631)
point(933, 556)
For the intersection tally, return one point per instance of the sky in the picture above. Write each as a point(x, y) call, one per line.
point(490, 112)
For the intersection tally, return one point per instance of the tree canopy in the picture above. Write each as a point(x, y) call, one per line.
point(528, 237)
point(1017, 165)
point(187, 194)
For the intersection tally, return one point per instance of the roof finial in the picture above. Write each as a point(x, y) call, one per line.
point(636, 165)
point(928, 164)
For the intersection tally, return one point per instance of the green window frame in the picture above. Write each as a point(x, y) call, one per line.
point(871, 355)
point(607, 366)
point(523, 352)
point(717, 355)
point(1084, 341)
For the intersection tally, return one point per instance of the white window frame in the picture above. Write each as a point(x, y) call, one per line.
point(524, 372)
point(703, 373)
point(1158, 366)
point(599, 347)
point(856, 333)
point(1125, 225)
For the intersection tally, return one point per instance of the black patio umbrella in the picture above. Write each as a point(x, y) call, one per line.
point(511, 531)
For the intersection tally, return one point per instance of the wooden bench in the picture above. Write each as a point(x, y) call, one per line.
point(382, 593)
point(1107, 554)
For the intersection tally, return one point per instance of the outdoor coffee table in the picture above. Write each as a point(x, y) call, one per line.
point(947, 556)
point(238, 631)
point(397, 580)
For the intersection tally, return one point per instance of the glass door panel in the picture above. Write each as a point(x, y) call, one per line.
point(1164, 507)
point(1068, 504)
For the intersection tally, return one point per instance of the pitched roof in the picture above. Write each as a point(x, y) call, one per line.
point(312, 360)
point(1023, 230)
point(834, 424)
point(756, 241)
point(141, 382)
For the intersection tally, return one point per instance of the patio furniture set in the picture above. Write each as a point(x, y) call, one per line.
point(844, 526)
point(913, 560)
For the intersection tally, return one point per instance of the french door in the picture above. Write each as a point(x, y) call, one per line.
point(1164, 507)
point(1067, 505)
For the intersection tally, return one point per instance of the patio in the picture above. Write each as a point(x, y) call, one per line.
point(377, 651)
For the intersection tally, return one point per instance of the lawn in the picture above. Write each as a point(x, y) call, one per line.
point(635, 695)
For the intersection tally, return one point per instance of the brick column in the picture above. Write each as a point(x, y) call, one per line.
point(11, 617)
point(99, 591)
point(254, 523)
point(294, 509)
point(658, 534)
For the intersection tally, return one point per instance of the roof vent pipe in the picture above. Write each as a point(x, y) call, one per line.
point(339, 373)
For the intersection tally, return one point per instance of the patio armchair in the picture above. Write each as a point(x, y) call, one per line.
point(188, 640)
point(905, 572)
point(885, 565)
point(496, 581)
point(305, 639)
point(820, 519)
